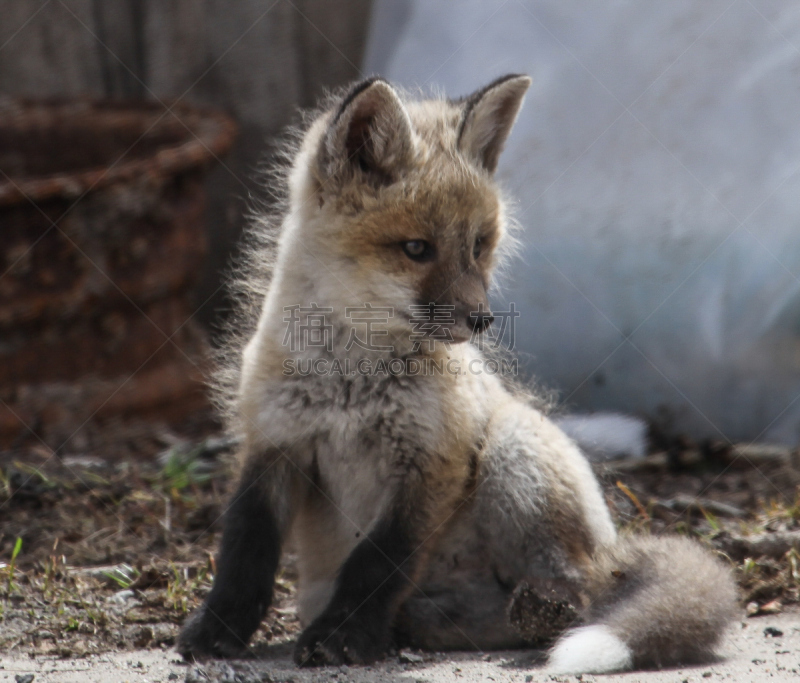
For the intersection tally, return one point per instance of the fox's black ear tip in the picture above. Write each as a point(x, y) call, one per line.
point(356, 90)
point(362, 85)
point(518, 82)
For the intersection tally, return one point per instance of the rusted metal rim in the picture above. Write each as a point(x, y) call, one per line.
point(113, 142)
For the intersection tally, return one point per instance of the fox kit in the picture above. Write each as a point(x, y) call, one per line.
point(420, 503)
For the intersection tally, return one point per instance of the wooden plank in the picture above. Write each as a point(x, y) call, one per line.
point(46, 49)
point(256, 59)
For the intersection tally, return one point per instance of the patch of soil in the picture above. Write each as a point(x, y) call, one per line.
point(115, 546)
point(743, 502)
point(111, 548)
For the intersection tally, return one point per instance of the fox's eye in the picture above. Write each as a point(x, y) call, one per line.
point(477, 248)
point(418, 250)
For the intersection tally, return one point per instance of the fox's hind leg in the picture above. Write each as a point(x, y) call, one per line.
point(255, 524)
point(484, 612)
point(510, 567)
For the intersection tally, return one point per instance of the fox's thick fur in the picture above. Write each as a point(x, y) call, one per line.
point(418, 503)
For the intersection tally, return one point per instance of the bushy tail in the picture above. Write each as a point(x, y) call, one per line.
point(655, 602)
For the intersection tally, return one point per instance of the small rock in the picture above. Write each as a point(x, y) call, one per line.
point(752, 609)
point(706, 674)
point(24, 678)
point(528, 678)
point(196, 675)
point(773, 607)
point(772, 631)
point(84, 462)
point(226, 673)
point(409, 658)
point(172, 676)
point(121, 597)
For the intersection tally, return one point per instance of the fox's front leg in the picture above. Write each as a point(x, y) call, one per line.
point(355, 627)
point(255, 524)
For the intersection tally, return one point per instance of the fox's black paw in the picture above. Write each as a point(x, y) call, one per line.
point(334, 641)
point(206, 636)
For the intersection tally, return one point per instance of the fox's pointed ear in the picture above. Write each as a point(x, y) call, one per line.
point(371, 134)
point(489, 115)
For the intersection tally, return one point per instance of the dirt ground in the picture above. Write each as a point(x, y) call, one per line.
point(747, 655)
point(104, 552)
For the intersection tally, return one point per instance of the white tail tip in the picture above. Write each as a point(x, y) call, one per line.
point(590, 650)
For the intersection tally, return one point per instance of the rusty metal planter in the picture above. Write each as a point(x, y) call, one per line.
point(101, 240)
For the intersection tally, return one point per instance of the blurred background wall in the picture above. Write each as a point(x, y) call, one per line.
point(256, 60)
point(655, 172)
point(654, 169)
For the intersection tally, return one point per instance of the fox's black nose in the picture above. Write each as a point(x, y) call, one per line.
point(478, 321)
